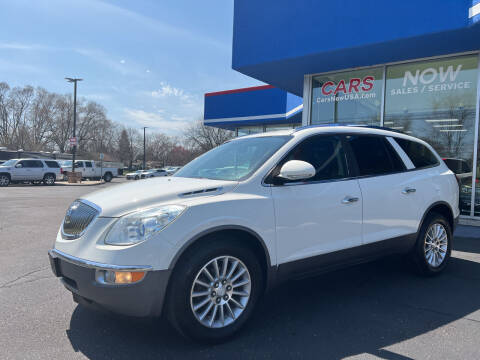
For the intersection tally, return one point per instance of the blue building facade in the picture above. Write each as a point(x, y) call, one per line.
point(410, 65)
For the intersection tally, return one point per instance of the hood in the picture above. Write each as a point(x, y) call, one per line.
point(119, 200)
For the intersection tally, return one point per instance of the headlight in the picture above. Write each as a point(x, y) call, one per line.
point(141, 225)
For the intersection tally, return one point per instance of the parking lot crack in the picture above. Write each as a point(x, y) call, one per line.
point(12, 282)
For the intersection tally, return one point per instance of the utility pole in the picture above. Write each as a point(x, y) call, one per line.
point(144, 158)
point(74, 149)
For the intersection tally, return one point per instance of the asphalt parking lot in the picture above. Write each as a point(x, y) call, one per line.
point(373, 311)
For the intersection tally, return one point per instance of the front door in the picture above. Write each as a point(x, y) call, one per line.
point(22, 171)
point(322, 214)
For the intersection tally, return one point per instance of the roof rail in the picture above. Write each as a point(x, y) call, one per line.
point(350, 125)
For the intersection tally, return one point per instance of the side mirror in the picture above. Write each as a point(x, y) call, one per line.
point(296, 170)
point(18, 166)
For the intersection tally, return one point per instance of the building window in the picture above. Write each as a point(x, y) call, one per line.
point(436, 101)
point(352, 97)
point(249, 130)
point(278, 127)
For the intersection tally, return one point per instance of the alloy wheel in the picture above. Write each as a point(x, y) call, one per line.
point(436, 244)
point(4, 180)
point(220, 292)
point(49, 180)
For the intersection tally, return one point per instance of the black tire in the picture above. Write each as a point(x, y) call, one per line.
point(107, 177)
point(178, 306)
point(136, 177)
point(418, 256)
point(49, 179)
point(4, 180)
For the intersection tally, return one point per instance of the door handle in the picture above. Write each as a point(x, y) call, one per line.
point(408, 190)
point(349, 200)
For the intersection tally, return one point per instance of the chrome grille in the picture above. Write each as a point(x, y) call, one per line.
point(79, 215)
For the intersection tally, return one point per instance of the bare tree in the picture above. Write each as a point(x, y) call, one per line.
point(204, 138)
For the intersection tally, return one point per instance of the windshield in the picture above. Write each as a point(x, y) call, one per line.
point(235, 160)
point(9, 163)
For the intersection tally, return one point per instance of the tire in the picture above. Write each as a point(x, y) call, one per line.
point(4, 180)
point(107, 177)
point(430, 246)
point(136, 177)
point(49, 179)
point(226, 291)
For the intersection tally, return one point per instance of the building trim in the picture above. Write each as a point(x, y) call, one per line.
point(474, 10)
point(475, 144)
point(234, 91)
point(256, 117)
point(438, 57)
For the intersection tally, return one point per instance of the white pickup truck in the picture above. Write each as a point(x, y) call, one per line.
point(91, 170)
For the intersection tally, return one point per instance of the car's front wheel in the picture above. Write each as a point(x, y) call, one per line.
point(434, 245)
point(213, 290)
point(4, 180)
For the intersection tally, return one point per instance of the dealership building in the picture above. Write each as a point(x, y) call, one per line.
point(410, 65)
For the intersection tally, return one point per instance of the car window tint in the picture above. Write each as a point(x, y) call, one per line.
point(37, 163)
point(325, 154)
point(24, 163)
point(372, 155)
point(88, 164)
point(397, 162)
point(78, 164)
point(52, 164)
point(420, 155)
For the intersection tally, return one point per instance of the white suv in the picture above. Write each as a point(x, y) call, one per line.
point(31, 170)
point(202, 246)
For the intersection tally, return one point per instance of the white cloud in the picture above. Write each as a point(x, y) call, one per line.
point(173, 125)
point(168, 90)
point(122, 61)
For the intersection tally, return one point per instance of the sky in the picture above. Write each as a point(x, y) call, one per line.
point(148, 62)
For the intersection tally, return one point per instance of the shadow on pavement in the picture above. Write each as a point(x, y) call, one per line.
point(349, 312)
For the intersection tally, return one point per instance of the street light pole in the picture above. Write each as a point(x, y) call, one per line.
point(144, 147)
point(74, 150)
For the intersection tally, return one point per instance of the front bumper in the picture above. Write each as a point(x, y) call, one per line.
point(144, 298)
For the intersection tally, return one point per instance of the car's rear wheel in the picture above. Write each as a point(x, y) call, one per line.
point(49, 179)
point(4, 180)
point(214, 290)
point(434, 245)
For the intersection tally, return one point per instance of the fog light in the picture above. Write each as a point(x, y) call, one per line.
point(119, 277)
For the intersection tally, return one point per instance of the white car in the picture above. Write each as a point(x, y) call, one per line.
point(29, 170)
point(156, 173)
point(136, 175)
point(203, 246)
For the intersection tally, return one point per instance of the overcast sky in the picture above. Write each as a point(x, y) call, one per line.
point(149, 62)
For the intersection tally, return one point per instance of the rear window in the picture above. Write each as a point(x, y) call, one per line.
point(420, 155)
point(374, 155)
point(52, 164)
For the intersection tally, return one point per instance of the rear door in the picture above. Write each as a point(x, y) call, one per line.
point(90, 170)
point(389, 195)
point(37, 169)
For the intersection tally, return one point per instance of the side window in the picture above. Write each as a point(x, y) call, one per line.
point(52, 164)
point(24, 163)
point(88, 164)
point(374, 155)
point(325, 153)
point(78, 164)
point(420, 155)
point(37, 164)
